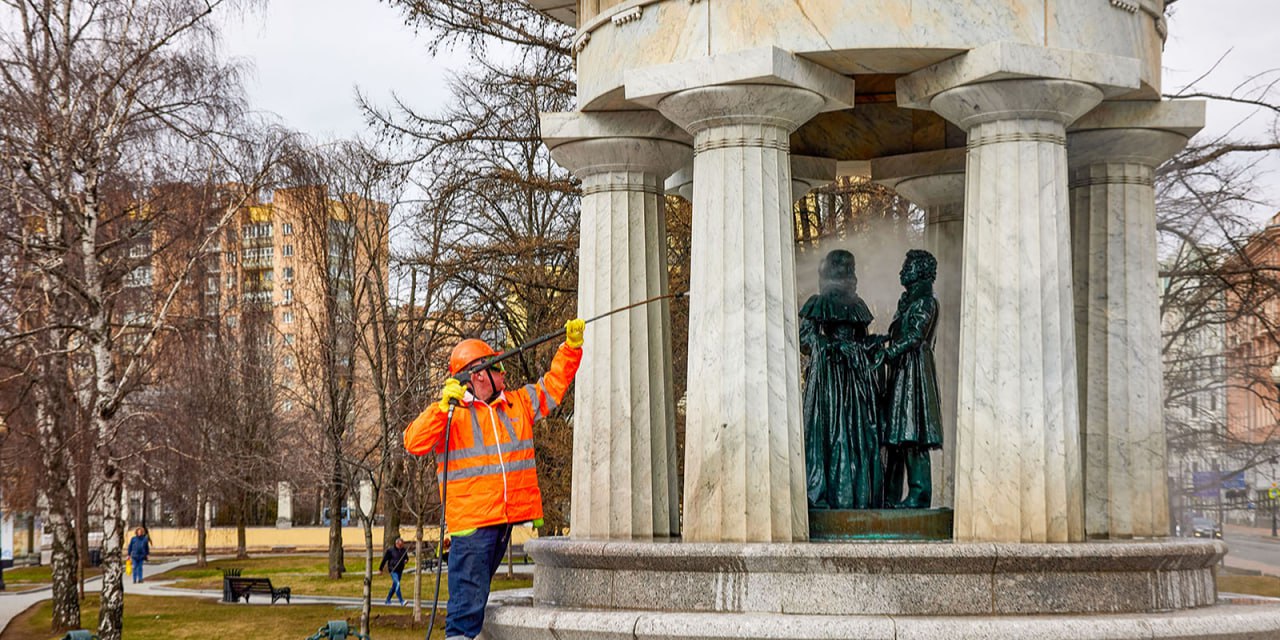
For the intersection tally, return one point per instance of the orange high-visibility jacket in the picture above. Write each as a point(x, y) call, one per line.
point(492, 474)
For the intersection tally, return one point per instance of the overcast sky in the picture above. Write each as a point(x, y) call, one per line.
point(308, 57)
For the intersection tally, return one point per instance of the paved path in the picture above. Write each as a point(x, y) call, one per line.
point(12, 604)
point(1252, 549)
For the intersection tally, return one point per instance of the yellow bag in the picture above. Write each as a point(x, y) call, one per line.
point(128, 565)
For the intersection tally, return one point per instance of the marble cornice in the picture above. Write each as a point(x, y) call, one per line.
point(618, 15)
point(1005, 60)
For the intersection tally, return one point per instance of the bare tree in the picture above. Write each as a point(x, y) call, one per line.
point(1219, 279)
point(100, 100)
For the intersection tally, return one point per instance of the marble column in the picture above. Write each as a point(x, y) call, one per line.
point(1018, 465)
point(1117, 311)
point(284, 505)
point(744, 445)
point(934, 181)
point(807, 173)
point(625, 483)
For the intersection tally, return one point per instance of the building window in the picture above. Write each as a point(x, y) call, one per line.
point(288, 274)
point(260, 230)
point(287, 251)
point(288, 338)
point(286, 228)
point(287, 317)
point(231, 281)
point(211, 284)
point(138, 251)
point(288, 362)
point(139, 277)
point(287, 405)
point(288, 296)
point(232, 321)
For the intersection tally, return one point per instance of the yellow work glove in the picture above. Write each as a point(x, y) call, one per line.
point(453, 390)
point(573, 332)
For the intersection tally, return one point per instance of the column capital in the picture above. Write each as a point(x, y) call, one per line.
point(928, 179)
point(701, 108)
point(1112, 75)
point(762, 66)
point(1147, 133)
point(681, 183)
point(1060, 101)
point(592, 143)
point(809, 173)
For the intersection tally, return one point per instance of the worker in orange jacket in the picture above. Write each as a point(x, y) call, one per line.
point(492, 476)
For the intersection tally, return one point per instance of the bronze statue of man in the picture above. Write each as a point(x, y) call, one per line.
point(841, 419)
point(912, 410)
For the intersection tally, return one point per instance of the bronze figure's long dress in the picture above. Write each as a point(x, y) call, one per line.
point(842, 443)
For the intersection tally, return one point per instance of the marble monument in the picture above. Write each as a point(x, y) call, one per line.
point(1030, 132)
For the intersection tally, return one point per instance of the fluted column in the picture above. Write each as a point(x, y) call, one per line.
point(625, 484)
point(1018, 467)
point(744, 445)
point(934, 181)
point(1117, 317)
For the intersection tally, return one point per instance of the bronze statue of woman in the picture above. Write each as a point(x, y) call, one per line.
point(842, 442)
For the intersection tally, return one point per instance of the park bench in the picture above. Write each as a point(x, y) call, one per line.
point(241, 587)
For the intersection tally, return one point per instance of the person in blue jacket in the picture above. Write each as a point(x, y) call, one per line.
point(139, 549)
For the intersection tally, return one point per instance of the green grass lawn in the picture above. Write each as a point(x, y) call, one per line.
point(1231, 582)
point(309, 575)
point(23, 578)
point(156, 618)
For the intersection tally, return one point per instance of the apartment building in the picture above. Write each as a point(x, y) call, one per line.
point(282, 275)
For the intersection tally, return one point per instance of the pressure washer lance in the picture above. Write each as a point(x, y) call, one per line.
point(464, 377)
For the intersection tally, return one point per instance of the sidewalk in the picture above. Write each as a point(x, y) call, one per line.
point(1263, 533)
point(13, 604)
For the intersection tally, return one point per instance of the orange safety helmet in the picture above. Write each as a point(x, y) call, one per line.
point(467, 352)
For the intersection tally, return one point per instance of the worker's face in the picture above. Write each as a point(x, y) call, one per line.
point(487, 384)
point(399, 544)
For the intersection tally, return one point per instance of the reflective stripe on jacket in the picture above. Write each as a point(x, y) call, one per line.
point(493, 478)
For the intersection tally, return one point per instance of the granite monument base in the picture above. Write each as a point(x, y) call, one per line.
point(880, 524)
point(600, 589)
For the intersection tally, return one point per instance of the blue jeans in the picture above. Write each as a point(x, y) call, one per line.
point(137, 569)
point(473, 560)
point(395, 588)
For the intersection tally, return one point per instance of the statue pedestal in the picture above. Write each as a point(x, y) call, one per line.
point(917, 525)
point(709, 591)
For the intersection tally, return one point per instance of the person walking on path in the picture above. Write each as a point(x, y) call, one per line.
point(393, 560)
point(491, 480)
point(139, 549)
